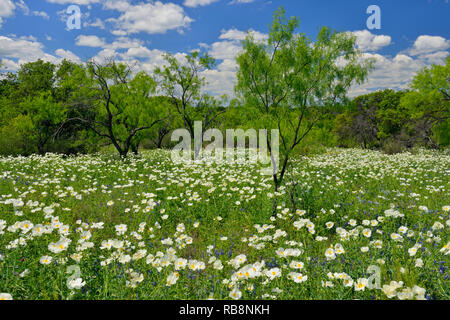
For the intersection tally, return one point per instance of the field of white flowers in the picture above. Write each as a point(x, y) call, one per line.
point(94, 227)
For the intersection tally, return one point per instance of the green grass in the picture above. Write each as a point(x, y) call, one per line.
point(359, 185)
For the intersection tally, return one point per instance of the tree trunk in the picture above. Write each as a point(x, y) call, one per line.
point(135, 148)
point(159, 144)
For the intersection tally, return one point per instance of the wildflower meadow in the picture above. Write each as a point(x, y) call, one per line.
point(363, 225)
point(238, 150)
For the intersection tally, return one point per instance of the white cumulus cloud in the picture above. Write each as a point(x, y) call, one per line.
point(6, 9)
point(152, 18)
point(368, 41)
point(89, 41)
point(235, 34)
point(428, 44)
point(16, 51)
point(68, 55)
point(79, 2)
point(196, 3)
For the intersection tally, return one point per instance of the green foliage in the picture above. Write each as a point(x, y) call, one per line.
point(370, 119)
point(182, 82)
point(121, 105)
point(36, 77)
point(398, 120)
point(15, 137)
point(428, 104)
point(291, 80)
point(391, 116)
point(45, 115)
point(287, 82)
point(441, 133)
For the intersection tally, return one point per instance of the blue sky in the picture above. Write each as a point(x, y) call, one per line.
point(413, 34)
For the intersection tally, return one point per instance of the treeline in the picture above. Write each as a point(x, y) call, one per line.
point(80, 108)
point(398, 120)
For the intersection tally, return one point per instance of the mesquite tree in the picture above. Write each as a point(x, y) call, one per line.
point(181, 80)
point(120, 104)
point(291, 80)
point(428, 104)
